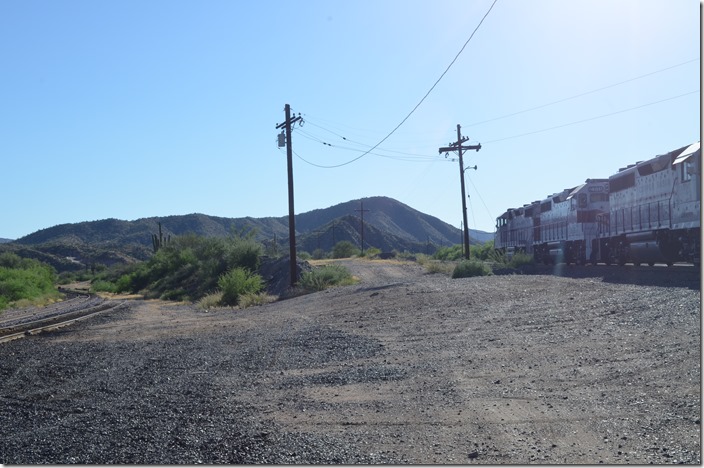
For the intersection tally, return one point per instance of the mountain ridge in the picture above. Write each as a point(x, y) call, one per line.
point(388, 225)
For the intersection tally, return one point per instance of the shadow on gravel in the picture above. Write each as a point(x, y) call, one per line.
point(680, 276)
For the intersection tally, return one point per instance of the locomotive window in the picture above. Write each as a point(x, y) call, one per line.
point(622, 182)
point(529, 212)
point(686, 171)
point(546, 206)
point(598, 197)
point(582, 200)
point(645, 169)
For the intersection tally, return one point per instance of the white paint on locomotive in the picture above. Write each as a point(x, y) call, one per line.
point(647, 212)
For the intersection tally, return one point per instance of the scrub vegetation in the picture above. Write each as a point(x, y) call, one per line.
point(25, 281)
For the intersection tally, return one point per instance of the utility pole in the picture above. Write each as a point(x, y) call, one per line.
point(457, 146)
point(289, 160)
point(362, 210)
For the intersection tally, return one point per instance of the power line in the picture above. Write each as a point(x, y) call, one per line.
point(364, 144)
point(409, 157)
point(593, 118)
point(424, 97)
point(581, 94)
point(531, 108)
point(491, 217)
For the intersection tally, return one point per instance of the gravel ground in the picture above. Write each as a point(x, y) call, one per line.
point(584, 366)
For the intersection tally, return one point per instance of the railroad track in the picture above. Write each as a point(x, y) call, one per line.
point(16, 324)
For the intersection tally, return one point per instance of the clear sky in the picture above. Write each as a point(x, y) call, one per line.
point(129, 109)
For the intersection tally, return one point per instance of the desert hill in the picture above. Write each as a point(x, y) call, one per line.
point(388, 225)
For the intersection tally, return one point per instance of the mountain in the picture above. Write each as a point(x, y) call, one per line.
point(388, 225)
point(4, 241)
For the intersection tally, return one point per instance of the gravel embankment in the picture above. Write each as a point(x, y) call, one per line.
point(594, 366)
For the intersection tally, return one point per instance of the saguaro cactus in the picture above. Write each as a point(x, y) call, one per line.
point(160, 241)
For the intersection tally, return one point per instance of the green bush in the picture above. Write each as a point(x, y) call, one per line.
point(103, 286)
point(344, 249)
point(26, 279)
point(449, 253)
point(252, 299)
point(325, 276)
point(237, 282)
point(372, 252)
point(190, 267)
point(318, 254)
point(482, 251)
point(520, 259)
point(303, 255)
point(210, 301)
point(470, 268)
point(437, 266)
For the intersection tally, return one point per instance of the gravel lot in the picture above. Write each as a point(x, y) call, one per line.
point(584, 366)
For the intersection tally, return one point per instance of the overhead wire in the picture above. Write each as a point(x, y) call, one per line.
point(491, 217)
point(422, 99)
point(399, 155)
point(405, 153)
point(580, 94)
point(556, 102)
point(592, 118)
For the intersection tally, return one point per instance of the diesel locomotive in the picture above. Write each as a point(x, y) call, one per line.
point(646, 213)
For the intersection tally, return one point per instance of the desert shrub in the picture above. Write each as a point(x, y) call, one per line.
point(344, 249)
point(27, 280)
point(244, 252)
point(482, 251)
point(10, 260)
point(520, 259)
point(319, 254)
point(236, 282)
point(449, 253)
point(437, 266)
point(103, 286)
point(470, 268)
point(406, 255)
point(372, 252)
point(252, 299)
point(498, 257)
point(172, 295)
point(323, 277)
point(303, 255)
point(190, 267)
point(423, 259)
point(209, 301)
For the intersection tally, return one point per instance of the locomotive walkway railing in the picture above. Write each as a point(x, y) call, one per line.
point(653, 215)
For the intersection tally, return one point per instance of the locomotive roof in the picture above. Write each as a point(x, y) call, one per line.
point(689, 151)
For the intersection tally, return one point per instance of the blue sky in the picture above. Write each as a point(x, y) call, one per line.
point(130, 109)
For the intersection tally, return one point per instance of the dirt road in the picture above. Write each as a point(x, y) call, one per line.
point(404, 367)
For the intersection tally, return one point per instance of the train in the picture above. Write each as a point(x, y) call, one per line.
point(647, 213)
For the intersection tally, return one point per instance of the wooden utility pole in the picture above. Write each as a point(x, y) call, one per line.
point(289, 160)
point(457, 146)
point(362, 210)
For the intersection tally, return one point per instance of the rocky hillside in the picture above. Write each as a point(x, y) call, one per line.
point(388, 225)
